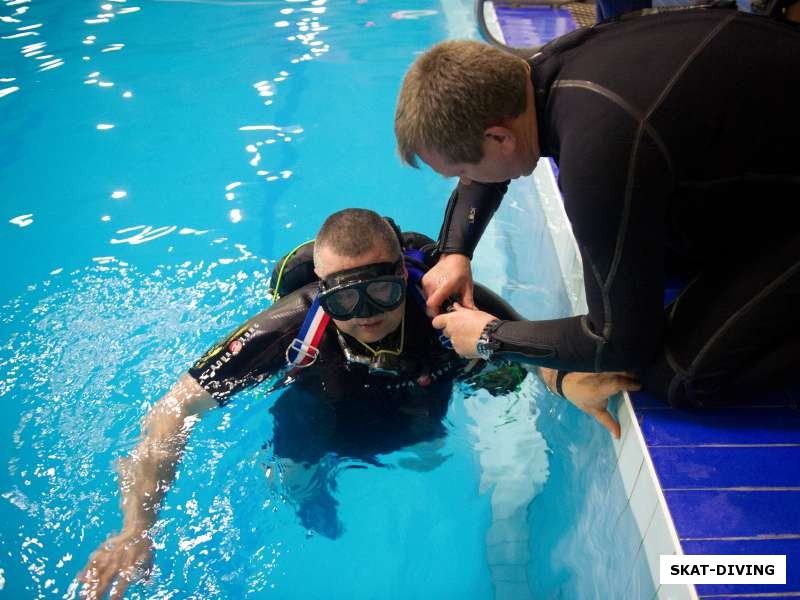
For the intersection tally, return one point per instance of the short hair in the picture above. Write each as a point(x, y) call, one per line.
point(452, 94)
point(354, 231)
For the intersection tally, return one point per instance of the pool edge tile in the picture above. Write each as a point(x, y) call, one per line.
point(631, 458)
point(674, 591)
point(661, 512)
point(624, 415)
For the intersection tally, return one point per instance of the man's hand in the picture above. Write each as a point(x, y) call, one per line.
point(145, 477)
point(463, 326)
point(590, 392)
point(119, 561)
point(450, 276)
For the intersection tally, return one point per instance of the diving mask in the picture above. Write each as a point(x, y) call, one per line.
point(363, 292)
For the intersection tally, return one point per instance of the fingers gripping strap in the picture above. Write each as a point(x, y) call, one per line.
point(415, 273)
point(416, 292)
point(415, 276)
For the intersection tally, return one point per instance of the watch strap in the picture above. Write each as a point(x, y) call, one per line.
point(560, 382)
point(485, 341)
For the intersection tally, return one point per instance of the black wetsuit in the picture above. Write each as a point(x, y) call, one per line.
point(331, 406)
point(677, 139)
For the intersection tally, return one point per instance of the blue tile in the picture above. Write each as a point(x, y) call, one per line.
point(707, 514)
point(645, 400)
point(672, 287)
point(733, 596)
point(554, 166)
point(727, 467)
point(790, 548)
point(779, 425)
point(670, 294)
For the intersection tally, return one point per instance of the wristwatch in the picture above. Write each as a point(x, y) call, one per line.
point(560, 382)
point(487, 346)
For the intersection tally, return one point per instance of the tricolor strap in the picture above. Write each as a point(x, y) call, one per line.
point(303, 350)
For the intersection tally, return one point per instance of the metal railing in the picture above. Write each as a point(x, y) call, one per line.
point(486, 33)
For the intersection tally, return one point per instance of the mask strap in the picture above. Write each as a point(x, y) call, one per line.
point(415, 276)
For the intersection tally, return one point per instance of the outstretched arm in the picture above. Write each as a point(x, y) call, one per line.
point(144, 478)
point(249, 355)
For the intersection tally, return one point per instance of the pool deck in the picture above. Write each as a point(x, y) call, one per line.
point(730, 476)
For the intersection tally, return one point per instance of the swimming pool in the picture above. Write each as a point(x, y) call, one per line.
point(157, 159)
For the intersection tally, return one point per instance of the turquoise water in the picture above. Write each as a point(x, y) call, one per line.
point(156, 159)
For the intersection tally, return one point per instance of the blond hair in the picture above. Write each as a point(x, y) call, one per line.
point(451, 94)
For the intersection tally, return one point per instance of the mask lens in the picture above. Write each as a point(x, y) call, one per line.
point(342, 302)
point(385, 293)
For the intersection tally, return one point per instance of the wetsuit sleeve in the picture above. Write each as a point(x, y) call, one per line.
point(467, 214)
point(615, 179)
point(487, 301)
point(255, 351)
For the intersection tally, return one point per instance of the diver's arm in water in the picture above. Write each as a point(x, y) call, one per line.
point(249, 355)
point(144, 478)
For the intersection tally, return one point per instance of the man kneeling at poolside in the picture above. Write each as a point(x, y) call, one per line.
point(376, 379)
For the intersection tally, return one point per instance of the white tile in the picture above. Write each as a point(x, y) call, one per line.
point(658, 541)
point(627, 538)
point(676, 591)
point(624, 415)
point(644, 500)
point(630, 463)
point(641, 586)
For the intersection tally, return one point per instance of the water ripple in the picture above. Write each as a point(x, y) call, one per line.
point(85, 358)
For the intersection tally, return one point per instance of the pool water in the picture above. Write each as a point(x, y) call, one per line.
point(157, 158)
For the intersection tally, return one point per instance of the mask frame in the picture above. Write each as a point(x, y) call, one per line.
point(360, 279)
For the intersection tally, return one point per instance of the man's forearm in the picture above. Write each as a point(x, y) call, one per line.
point(468, 212)
point(147, 474)
point(555, 344)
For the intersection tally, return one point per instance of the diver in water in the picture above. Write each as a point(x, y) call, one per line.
point(369, 375)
